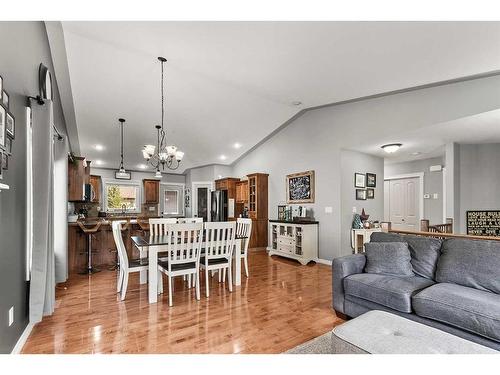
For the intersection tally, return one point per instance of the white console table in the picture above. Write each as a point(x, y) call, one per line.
point(295, 240)
point(361, 236)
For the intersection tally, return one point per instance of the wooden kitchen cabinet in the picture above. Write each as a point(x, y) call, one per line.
point(96, 183)
point(242, 192)
point(78, 176)
point(151, 191)
point(258, 208)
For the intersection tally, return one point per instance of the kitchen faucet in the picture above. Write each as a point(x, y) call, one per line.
point(124, 208)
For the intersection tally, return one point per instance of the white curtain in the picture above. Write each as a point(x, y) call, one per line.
point(42, 286)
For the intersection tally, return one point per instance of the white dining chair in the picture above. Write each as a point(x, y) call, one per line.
point(219, 245)
point(183, 256)
point(126, 266)
point(185, 220)
point(157, 226)
point(244, 229)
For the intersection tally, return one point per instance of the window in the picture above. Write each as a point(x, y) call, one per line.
point(122, 197)
point(171, 203)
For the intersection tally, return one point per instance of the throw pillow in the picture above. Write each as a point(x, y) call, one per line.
point(388, 258)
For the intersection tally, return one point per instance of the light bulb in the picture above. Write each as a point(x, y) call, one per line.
point(179, 155)
point(171, 150)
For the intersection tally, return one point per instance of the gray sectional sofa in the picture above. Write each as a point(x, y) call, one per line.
point(454, 286)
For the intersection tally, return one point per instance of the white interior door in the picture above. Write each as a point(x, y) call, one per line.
point(404, 203)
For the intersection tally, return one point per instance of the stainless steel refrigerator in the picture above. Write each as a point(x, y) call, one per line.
point(219, 203)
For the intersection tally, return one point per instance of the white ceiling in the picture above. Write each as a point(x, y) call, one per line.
point(429, 141)
point(230, 82)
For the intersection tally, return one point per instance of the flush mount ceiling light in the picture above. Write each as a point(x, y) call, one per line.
point(223, 157)
point(416, 153)
point(99, 147)
point(165, 156)
point(237, 145)
point(391, 147)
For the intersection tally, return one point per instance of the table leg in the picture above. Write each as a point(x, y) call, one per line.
point(143, 275)
point(237, 259)
point(153, 275)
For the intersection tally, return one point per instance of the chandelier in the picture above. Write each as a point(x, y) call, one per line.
point(162, 155)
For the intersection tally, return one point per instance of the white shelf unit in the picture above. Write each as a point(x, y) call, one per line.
point(294, 240)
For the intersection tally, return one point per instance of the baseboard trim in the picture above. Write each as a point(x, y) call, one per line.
point(324, 261)
point(22, 340)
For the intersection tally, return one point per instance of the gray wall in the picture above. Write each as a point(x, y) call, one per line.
point(350, 163)
point(433, 183)
point(23, 46)
point(315, 139)
point(479, 179)
point(138, 176)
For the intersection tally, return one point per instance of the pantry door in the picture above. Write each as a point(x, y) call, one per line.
point(404, 204)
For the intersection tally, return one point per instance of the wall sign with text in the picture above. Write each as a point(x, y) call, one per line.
point(483, 223)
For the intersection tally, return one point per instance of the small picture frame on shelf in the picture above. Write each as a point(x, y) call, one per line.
point(371, 180)
point(370, 193)
point(359, 180)
point(5, 99)
point(360, 194)
point(3, 136)
point(10, 126)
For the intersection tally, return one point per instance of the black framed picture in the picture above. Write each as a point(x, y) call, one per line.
point(3, 136)
point(371, 180)
point(5, 161)
point(300, 187)
point(359, 180)
point(5, 99)
point(8, 145)
point(10, 125)
point(370, 193)
point(360, 194)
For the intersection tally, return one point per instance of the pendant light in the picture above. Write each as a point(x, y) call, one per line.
point(121, 173)
point(162, 155)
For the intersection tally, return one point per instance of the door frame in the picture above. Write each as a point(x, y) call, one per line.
point(194, 189)
point(420, 176)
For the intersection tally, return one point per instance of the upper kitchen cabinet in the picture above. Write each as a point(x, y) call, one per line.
point(96, 183)
point(242, 192)
point(78, 177)
point(151, 191)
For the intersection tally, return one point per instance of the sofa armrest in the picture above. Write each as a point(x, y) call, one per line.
point(341, 268)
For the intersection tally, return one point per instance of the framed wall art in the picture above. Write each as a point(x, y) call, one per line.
point(300, 187)
point(5, 161)
point(359, 180)
point(1, 87)
point(3, 114)
point(8, 145)
point(10, 125)
point(360, 194)
point(5, 99)
point(371, 180)
point(370, 193)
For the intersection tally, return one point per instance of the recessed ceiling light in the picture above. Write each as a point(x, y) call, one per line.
point(237, 145)
point(416, 153)
point(99, 147)
point(142, 166)
point(99, 162)
point(223, 157)
point(391, 147)
point(297, 103)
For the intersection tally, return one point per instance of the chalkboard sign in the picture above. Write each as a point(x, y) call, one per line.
point(483, 223)
point(300, 187)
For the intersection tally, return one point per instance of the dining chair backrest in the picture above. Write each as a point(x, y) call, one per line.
point(186, 243)
point(243, 227)
point(157, 227)
point(120, 246)
point(219, 239)
point(186, 220)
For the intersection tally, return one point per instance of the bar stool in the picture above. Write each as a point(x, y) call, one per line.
point(89, 230)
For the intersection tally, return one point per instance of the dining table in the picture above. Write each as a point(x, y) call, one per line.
point(153, 244)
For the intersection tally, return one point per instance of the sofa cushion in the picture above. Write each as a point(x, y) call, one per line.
point(472, 263)
point(394, 292)
point(424, 251)
point(389, 258)
point(470, 309)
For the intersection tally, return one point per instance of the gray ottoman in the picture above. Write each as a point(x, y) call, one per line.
point(379, 332)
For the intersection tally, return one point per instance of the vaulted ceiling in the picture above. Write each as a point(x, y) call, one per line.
point(236, 82)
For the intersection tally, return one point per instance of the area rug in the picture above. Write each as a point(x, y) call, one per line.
point(320, 345)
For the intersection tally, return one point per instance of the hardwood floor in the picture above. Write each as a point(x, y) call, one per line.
point(281, 305)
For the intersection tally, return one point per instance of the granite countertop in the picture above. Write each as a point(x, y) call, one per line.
point(301, 222)
point(109, 220)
